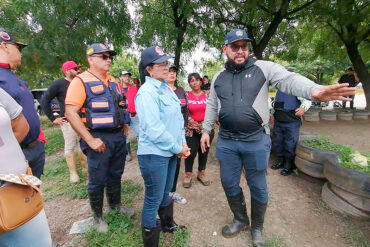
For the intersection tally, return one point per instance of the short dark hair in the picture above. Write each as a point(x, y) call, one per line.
point(350, 69)
point(206, 76)
point(195, 75)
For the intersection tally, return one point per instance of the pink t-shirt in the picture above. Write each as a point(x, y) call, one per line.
point(197, 106)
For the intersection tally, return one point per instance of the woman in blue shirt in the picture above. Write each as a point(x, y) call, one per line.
point(161, 141)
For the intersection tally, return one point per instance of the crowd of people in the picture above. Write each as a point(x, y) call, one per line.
point(169, 123)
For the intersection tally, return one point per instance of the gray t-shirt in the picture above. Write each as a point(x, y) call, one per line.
point(12, 158)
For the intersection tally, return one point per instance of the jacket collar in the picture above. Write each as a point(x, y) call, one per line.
point(230, 67)
point(154, 82)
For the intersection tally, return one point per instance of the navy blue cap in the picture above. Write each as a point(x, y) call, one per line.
point(5, 36)
point(98, 48)
point(235, 35)
point(153, 54)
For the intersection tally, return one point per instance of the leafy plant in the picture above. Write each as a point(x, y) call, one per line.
point(343, 151)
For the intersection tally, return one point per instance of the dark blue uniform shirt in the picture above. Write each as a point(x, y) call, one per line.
point(18, 89)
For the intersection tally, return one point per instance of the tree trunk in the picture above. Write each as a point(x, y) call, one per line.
point(360, 68)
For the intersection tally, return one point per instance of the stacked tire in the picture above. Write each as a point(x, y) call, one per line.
point(312, 115)
point(361, 114)
point(328, 115)
point(345, 115)
point(347, 190)
point(311, 160)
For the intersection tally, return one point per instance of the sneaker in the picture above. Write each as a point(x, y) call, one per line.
point(177, 198)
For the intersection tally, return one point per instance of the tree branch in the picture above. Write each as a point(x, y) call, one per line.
point(264, 8)
point(159, 12)
point(300, 7)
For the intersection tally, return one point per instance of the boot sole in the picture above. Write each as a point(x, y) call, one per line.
point(244, 228)
point(204, 183)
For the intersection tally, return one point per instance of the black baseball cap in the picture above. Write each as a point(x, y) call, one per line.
point(153, 54)
point(5, 36)
point(235, 35)
point(97, 48)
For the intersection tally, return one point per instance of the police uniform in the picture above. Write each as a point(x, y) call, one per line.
point(286, 129)
point(17, 88)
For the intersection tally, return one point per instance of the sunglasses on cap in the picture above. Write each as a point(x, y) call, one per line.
point(103, 56)
point(19, 47)
point(235, 48)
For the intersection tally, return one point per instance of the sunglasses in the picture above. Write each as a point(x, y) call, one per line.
point(104, 56)
point(235, 48)
point(77, 69)
point(19, 47)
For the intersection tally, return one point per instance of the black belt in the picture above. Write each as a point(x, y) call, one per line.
point(29, 145)
point(133, 114)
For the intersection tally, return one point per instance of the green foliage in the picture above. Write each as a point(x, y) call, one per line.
point(273, 241)
point(355, 238)
point(57, 31)
point(343, 151)
point(211, 67)
point(181, 238)
point(125, 61)
point(123, 231)
point(56, 181)
point(56, 141)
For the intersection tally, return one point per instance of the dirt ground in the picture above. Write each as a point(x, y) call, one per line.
point(295, 212)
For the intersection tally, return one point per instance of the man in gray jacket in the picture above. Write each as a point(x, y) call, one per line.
point(239, 99)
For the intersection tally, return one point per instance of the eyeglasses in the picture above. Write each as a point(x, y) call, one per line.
point(104, 56)
point(76, 69)
point(235, 48)
point(19, 47)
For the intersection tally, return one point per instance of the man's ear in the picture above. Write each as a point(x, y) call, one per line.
point(224, 47)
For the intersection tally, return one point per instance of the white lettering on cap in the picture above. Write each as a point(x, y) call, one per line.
point(159, 50)
point(239, 33)
point(103, 46)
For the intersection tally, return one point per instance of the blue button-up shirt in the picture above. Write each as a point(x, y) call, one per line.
point(160, 119)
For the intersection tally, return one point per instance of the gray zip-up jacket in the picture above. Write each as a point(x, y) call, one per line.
point(239, 98)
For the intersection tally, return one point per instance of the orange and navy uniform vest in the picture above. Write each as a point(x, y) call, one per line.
point(103, 105)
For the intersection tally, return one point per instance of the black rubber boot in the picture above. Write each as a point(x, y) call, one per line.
point(258, 215)
point(288, 167)
point(240, 221)
point(96, 203)
point(279, 163)
point(166, 216)
point(128, 152)
point(114, 199)
point(151, 236)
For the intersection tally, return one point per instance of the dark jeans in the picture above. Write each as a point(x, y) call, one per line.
point(178, 163)
point(285, 138)
point(194, 145)
point(253, 156)
point(36, 158)
point(107, 167)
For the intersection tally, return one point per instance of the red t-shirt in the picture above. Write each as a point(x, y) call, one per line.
point(130, 96)
point(197, 106)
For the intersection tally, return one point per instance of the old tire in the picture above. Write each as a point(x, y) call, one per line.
point(312, 115)
point(328, 115)
point(362, 115)
point(349, 180)
point(303, 135)
point(313, 169)
point(359, 202)
point(311, 154)
point(345, 115)
point(338, 204)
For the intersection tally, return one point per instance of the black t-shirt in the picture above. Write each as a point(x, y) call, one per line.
point(206, 86)
point(346, 78)
point(58, 90)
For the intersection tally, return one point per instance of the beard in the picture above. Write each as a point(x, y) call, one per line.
point(231, 65)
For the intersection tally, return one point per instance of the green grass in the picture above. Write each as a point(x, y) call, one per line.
point(56, 181)
point(355, 238)
point(56, 141)
point(344, 152)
